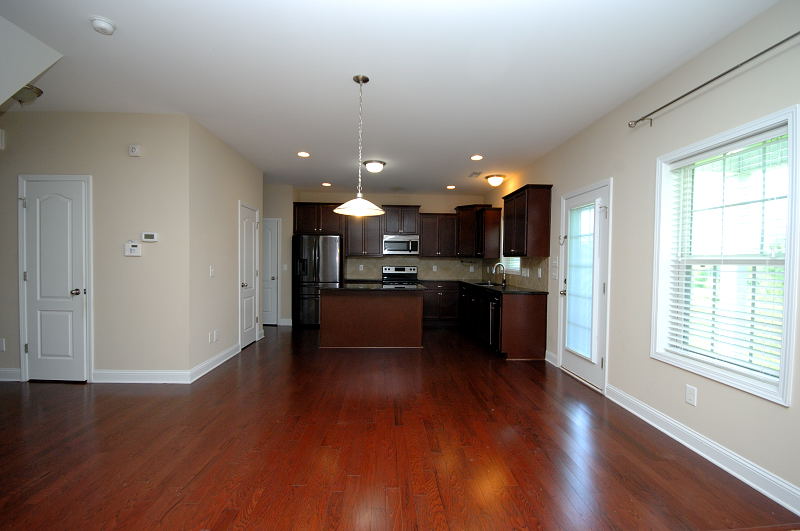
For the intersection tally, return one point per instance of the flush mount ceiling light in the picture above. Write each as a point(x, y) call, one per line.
point(102, 25)
point(326, 184)
point(374, 166)
point(495, 180)
point(303, 154)
point(476, 156)
point(359, 206)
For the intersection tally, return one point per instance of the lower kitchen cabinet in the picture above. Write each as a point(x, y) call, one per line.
point(513, 324)
point(440, 302)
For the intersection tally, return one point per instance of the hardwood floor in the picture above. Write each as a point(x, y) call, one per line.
point(287, 436)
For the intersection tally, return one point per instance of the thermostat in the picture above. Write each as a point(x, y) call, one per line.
point(149, 236)
point(133, 248)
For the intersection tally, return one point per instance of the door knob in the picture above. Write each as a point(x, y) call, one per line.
point(563, 292)
point(244, 284)
point(75, 291)
point(272, 277)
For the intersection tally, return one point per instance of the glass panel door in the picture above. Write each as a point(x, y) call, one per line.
point(580, 279)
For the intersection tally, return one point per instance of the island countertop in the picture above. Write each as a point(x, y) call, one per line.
point(371, 286)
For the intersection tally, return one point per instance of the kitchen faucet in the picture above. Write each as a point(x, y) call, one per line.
point(494, 272)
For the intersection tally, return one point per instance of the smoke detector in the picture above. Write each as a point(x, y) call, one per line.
point(102, 25)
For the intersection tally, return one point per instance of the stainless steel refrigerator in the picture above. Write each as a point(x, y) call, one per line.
point(316, 261)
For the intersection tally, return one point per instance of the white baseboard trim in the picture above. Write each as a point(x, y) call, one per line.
point(284, 322)
point(551, 358)
point(10, 375)
point(115, 376)
point(764, 481)
point(200, 370)
point(165, 377)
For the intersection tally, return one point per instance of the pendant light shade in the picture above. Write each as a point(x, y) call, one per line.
point(495, 180)
point(359, 206)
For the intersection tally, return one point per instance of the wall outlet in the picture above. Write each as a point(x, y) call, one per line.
point(525, 272)
point(538, 272)
point(471, 268)
point(554, 268)
point(211, 336)
point(361, 267)
point(211, 271)
point(2, 344)
point(691, 395)
point(434, 267)
point(215, 334)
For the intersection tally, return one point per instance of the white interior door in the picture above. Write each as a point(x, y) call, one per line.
point(269, 275)
point(54, 260)
point(248, 271)
point(584, 286)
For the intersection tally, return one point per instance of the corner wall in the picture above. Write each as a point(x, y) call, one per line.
point(218, 178)
point(761, 431)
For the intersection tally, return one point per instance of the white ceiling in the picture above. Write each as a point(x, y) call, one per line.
point(509, 79)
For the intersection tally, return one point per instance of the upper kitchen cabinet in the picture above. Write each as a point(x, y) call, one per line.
point(477, 231)
point(364, 236)
point(526, 221)
point(401, 219)
point(437, 236)
point(317, 218)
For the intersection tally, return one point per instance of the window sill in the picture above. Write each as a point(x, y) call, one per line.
point(731, 378)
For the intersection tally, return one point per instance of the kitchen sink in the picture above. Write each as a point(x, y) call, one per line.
point(485, 284)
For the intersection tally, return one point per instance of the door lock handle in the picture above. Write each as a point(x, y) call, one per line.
point(244, 284)
point(563, 292)
point(272, 277)
point(75, 291)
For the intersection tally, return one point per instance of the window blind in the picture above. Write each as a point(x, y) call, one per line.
point(726, 270)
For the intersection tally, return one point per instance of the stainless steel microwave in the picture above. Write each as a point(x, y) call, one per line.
point(405, 244)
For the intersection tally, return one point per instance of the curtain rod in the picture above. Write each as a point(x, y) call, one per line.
point(634, 123)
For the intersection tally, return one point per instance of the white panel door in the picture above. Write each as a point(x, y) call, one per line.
point(248, 281)
point(54, 260)
point(269, 273)
point(585, 284)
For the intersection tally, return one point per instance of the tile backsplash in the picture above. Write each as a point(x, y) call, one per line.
point(532, 281)
point(446, 268)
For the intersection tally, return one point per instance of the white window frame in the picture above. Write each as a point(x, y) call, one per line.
point(782, 391)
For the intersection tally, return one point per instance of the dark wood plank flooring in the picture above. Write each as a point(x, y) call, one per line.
point(287, 436)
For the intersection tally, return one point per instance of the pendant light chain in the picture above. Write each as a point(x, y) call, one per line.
point(360, 131)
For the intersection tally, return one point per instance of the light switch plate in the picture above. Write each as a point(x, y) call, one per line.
point(134, 150)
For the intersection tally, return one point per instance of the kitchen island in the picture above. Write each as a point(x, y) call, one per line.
point(364, 315)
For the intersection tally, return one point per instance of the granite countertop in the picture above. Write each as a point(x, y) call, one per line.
point(372, 286)
point(510, 290)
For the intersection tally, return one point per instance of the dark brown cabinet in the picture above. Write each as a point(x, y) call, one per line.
point(401, 219)
point(512, 324)
point(437, 235)
point(317, 218)
point(526, 221)
point(440, 302)
point(477, 231)
point(364, 236)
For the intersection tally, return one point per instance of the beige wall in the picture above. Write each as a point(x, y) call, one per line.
point(278, 199)
point(141, 304)
point(430, 203)
point(218, 178)
point(759, 430)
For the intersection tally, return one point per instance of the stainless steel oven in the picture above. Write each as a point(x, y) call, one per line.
point(406, 244)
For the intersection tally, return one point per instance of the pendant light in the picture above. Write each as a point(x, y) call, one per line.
point(359, 206)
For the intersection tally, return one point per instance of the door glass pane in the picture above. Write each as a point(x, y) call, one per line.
point(580, 280)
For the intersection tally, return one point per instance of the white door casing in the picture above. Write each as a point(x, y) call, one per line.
point(55, 276)
point(584, 283)
point(248, 274)
point(269, 273)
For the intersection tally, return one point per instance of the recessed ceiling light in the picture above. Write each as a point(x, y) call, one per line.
point(476, 156)
point(374, 166)
point(327, 184)
point(303, 154)
point(451, 187)
point(102, 25)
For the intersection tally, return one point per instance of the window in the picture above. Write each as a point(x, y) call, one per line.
point(725, 257)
